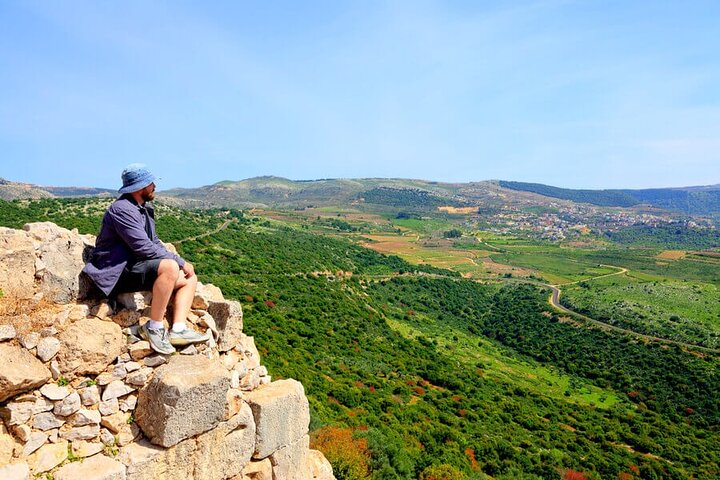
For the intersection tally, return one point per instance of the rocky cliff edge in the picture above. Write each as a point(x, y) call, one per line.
point(83, 397)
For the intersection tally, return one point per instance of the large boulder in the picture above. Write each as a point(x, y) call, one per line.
point(186, 397)
point(145, 461)
point(225, 450)
point(20, 371)
point(88, 346)
point(228, 316)
point(291, 462)
point(17, 264)
point(217, 454)
point(61, 257)
point(282, 415)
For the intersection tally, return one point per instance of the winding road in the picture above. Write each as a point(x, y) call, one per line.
point(554, 300)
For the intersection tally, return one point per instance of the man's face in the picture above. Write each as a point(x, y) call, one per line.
point(148, 193)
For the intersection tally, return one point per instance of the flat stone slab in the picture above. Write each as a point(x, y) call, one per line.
point(97, 467)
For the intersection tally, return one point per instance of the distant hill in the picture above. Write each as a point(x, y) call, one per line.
point(689, 200)
point(370, 194)
point(16, 190)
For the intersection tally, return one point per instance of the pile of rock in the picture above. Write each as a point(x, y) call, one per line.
point(86, 398)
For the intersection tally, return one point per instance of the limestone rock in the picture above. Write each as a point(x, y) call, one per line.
point(291, 462)
point(115, 422)
point(246, 346)
point(82, 449)
point(184, 398)
point(7, 445)
point(109, 407)
point(68, 405)
point(128, 403)
point(225, 450)
point(282, 415)
point(319, 466)
point(47, 348)
point(17, 264)
point(155, 360)
point(140, 350)
point(86, 432)
point(61, 252)
point(90, 395)
point(135, 300)
point(204, 294)
point(102, 310)
point(22, 432)
point(47, 421)
point(15, 471)
point(116, 389)
point(85, 417)
point(88, 346)
point(258, 470)
point(7, 332)
point(29, 340)
point(17, 413)
point(139, 377)
point(48, 457)
point(145, 461)
point(54, 391)
point(20, 371)
point(98, 467)
point(36, 440)
point(127, 318)
point(228, 317)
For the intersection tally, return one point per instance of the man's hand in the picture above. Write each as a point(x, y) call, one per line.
point(188, 270)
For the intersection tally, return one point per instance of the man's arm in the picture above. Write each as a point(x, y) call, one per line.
point(129, 225)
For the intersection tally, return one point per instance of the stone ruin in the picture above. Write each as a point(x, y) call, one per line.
point(83, 397)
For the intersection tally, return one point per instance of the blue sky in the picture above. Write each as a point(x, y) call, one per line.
point(579, 94)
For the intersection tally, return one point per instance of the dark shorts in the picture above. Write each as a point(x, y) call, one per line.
point(138, 276)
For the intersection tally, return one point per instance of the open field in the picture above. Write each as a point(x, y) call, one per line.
point(677, 310)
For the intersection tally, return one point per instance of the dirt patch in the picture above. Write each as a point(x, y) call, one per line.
point(671, 254)
point(458, 210)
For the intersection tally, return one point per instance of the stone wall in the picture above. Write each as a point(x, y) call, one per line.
point(82, 396)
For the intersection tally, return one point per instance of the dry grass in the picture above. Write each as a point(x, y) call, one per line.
point(671, 254)
point(458, 210)
point(27, 315)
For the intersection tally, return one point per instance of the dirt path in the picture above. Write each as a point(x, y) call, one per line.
point(206, 234)
point(554, 300)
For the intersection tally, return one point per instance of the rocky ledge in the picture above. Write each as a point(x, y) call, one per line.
point(82, 396)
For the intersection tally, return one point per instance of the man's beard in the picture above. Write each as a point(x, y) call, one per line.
point(148, 196)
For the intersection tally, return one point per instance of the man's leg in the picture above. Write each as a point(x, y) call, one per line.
point(180, 334)
point(184, 296)
point(167, 278)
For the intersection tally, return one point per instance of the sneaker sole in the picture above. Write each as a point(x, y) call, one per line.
point(182, 342)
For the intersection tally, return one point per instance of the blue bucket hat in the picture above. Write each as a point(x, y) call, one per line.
point(135, 177)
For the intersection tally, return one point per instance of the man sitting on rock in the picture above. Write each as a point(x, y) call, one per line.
point(129, 257)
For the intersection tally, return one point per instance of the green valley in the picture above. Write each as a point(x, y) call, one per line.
point(439, 357)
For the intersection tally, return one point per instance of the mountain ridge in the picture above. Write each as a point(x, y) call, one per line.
point(280, 192)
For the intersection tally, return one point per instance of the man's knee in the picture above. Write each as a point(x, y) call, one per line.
point(169, 268)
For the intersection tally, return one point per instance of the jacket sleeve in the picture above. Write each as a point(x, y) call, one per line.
point(129, 226)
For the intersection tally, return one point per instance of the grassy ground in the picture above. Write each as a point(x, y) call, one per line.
point(473, 351)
